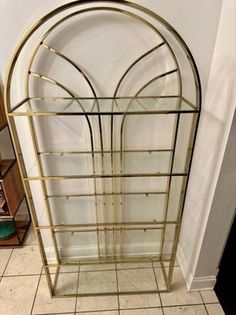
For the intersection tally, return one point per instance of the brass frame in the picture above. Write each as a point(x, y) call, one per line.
point(118, 225)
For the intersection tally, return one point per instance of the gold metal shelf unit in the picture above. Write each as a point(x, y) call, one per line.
point(105, 176)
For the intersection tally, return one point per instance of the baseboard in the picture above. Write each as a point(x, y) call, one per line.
point(187, 273)
point(203, 283)
point(194, 283)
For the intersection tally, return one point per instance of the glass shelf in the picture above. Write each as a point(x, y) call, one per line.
point(134, 164)
point(103, 106)
point(148, 162)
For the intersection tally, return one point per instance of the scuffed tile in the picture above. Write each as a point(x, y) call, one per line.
point(4, 257)
point(97, 282)
point(44, 304)
point(179, 294)
point(209, 296)
point(24, 261)
point(215, 309)
point(139, 300)
point(17, 294)
point(136, 280)
point(185, 310)
point(97, 303)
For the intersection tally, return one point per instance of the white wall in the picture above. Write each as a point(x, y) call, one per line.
point(210, 223)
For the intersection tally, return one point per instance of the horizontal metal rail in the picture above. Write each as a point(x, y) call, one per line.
point(104, 151)
point(111, 229)
point(101, 113)
point(109, 260)
point(147, 193)
point(63, 226)
point(158, 174)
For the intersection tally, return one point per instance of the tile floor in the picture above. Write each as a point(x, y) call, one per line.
point(23, 290)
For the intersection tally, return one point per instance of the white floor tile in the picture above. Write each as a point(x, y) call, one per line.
point(24, 261)
point(139, 300)
point(44, 304)
point(185, 310)
point(209, 296)
point(17, 294)
point(97, 282)
point(179, 294)
point(136, 280)
point(97, 267)
point(101, 313)
point(214, 309)
point(145, 311)
point(97, 303)
point(160, 279)
point(66, 284)
point(134, 265)
point(4, 257)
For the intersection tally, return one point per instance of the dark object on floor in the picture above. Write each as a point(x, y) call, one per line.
point(226, 279)
point(7, 230)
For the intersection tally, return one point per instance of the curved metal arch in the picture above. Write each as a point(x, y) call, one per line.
point(137, 94)
point(41, 43)
point(64, 7)
point(136, 17)
point(122, 11)
point(124, 119)
point(53, 81)
point(56, 52)
point(134, 63)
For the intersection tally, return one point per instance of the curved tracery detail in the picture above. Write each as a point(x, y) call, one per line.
point(55, 82)
point(79, 69)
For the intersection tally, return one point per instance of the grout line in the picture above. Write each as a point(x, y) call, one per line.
point(7, 263)
point(203, 302)
point(145, 307)
point(36, 291)
point(95, 311)
point(141, 307)
point(157, 288)
point(117, 288)
point(153, 268)
point(92, 312)
point(138, 308)
point(24, 275)
point(72, 313)
point(201, 297)
point(184, 305)
point(175, 305)
point(206, 309)
point(77, 289)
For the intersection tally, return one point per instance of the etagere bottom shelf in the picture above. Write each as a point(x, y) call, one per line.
point(126, 275)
